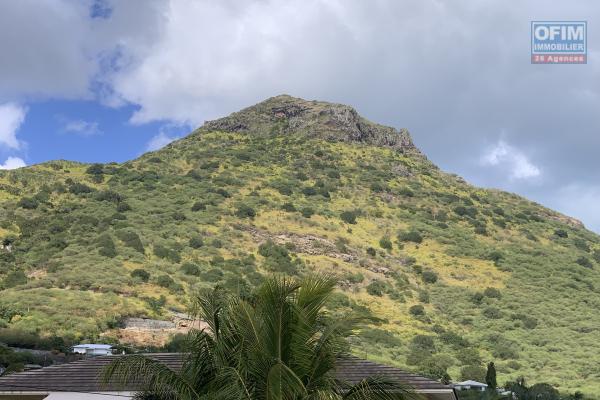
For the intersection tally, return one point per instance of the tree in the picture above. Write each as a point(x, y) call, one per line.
point(490, 376)
point(278, 344)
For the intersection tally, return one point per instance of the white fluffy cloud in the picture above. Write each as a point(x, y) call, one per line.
point(512, 159)
point(13, 163)
point(11, 117)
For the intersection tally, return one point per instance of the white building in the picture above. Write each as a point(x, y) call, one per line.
point(470, 385)
point(93, 349)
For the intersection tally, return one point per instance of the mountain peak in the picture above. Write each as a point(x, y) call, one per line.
point(289, 115)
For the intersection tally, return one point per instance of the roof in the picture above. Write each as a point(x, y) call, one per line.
point(352, 370)
point(82, 375)
point(470, 383)
point(94, 346)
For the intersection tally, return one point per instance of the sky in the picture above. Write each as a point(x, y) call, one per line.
point(102, 80)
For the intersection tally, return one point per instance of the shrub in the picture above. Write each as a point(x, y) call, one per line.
point(492, 313)
point(355, 278)
point(495, 256)
point(156, 304)
point(212, 275)
point(109, 195)
point(477, 298)
point(178, 216)
point(199, 206)
point(165, 281)
point(245, 211)
point(301, 176)
point(14, 278)
point(223, 193)
point(95, 169)
point(410, 236)
point(429, 277)
point(141, 274)
point(28, 203)
point(284, 187)
point(277, 258)
point(371, 251)
point(309, 191)
point(385, 243)
point(106, 246)
point(196, 242)
point(289, 207)
point(492, 293)
point(123, 206)
point(465, 211)
point(380, 336)
point(505, 350)
point(514, 365)
point(349, 217)
point(417, 310)
point(561, 233)
point(584, 262)
point(378, 187)
point(406, 192)
point(376, 288)
point(131, 239)
point(307, 212)
point(190, 269)
point(80, 188)
point(596, 256)
point(581, 244)
point(166, 253)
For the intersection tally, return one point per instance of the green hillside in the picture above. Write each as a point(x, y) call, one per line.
point(453, 275)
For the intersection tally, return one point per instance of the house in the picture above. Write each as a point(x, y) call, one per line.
point(79, 380)
point(470, 385)
point(93, 349)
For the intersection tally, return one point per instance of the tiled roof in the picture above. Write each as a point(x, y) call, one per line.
point(352, 370)
point(82, 375)
point(77, 376)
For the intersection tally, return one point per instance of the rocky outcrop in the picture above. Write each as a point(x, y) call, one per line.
point(288, 115)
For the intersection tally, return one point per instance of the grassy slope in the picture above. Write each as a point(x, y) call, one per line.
point(543, 325)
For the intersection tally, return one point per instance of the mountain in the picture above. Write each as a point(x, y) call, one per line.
point(450, 275)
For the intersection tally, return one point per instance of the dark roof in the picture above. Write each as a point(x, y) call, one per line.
point(352, 370)
point(82, 375)
point(76, 376)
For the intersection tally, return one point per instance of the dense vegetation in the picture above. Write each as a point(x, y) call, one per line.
point(454, 276)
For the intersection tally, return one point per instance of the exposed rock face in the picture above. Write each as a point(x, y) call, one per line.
point(145, 323)
point(292, 116)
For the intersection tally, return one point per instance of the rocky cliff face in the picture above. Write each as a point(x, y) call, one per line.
point(292, 116)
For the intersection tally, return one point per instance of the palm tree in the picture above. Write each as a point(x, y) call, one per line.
point(279, 344)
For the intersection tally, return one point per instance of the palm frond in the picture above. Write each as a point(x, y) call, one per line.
point(379, 388)
point(149, 375)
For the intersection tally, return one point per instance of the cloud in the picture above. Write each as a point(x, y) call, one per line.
point(11, 118)
point(81, 127)
point(13, 163)
point(61, 48)
point(512, 160)
point(159, 141)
